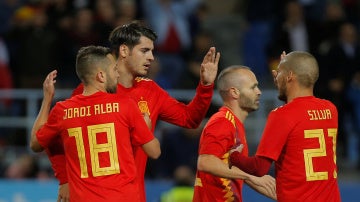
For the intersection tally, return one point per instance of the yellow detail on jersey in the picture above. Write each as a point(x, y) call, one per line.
point(198, 182)
point(106, 108)
point(332, 132)
point(311, 155)
point(77, 134)
point(138, 79)
point(225, 157)
point(319, 114)
point(95, 149)
point(229, 116)
point(229, 194)
point(109, 147)
point(143, 106)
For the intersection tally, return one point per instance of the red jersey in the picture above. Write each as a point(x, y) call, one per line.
point(222, 132)
point(98, 132)
point(155, 101)
point(301, 138)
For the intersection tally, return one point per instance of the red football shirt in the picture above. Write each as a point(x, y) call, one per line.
point(98, 133)
point(152, 99)
point(222, 132)
point(301, 138)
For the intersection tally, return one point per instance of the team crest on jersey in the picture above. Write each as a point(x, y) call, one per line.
point(138, 79)
point(143, 106)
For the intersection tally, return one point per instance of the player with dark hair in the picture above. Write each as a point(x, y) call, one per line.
point(133, 44)
point(98, 129)
point(299, 136)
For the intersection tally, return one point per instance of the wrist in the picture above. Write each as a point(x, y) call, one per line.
point(206, 84)
point(48, 98)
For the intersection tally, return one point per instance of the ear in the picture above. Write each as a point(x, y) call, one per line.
point(290, 76)
point(123, 50)
point(234, 92)
point(101, 77)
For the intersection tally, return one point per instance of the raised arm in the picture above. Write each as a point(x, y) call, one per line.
point(49, 92)
point(55, 150)
point(191, 115)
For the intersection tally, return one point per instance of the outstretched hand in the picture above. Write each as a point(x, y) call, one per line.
point(48, 85)
point(209, 67)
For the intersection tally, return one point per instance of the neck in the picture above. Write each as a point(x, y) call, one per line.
point(299, 92)
point(91, 89)
point(236, 110)
point(126, 78)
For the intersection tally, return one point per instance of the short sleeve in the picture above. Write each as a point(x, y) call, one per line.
point(217, 137)
point(275, 135)
point(52, 127)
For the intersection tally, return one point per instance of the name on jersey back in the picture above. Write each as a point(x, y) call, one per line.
point(91, 110)
point(319, 114)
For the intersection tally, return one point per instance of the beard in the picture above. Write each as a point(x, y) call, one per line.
point(111, 88)
point(248, 104)
point(282, 92)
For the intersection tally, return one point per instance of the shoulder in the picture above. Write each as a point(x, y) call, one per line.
point(327, 102)
point(277, 109)
point(146, 83)
point(222, 118)
point(281, 111)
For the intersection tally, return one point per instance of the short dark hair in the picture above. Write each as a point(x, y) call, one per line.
point(129, 34)
point(86, 58)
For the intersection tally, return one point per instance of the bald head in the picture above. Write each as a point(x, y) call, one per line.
point(232, 76)
point(303, 65)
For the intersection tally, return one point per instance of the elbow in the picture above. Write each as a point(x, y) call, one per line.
point(201, 164)
point(156, 154)
point(35, 147)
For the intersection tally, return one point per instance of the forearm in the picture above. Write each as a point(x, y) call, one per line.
point(152, 148)
point(198, 107)
point(258, 166)
point(39, 122)
point(213, 165)
point(187, 115)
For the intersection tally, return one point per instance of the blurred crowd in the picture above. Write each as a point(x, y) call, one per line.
point(37, 36)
